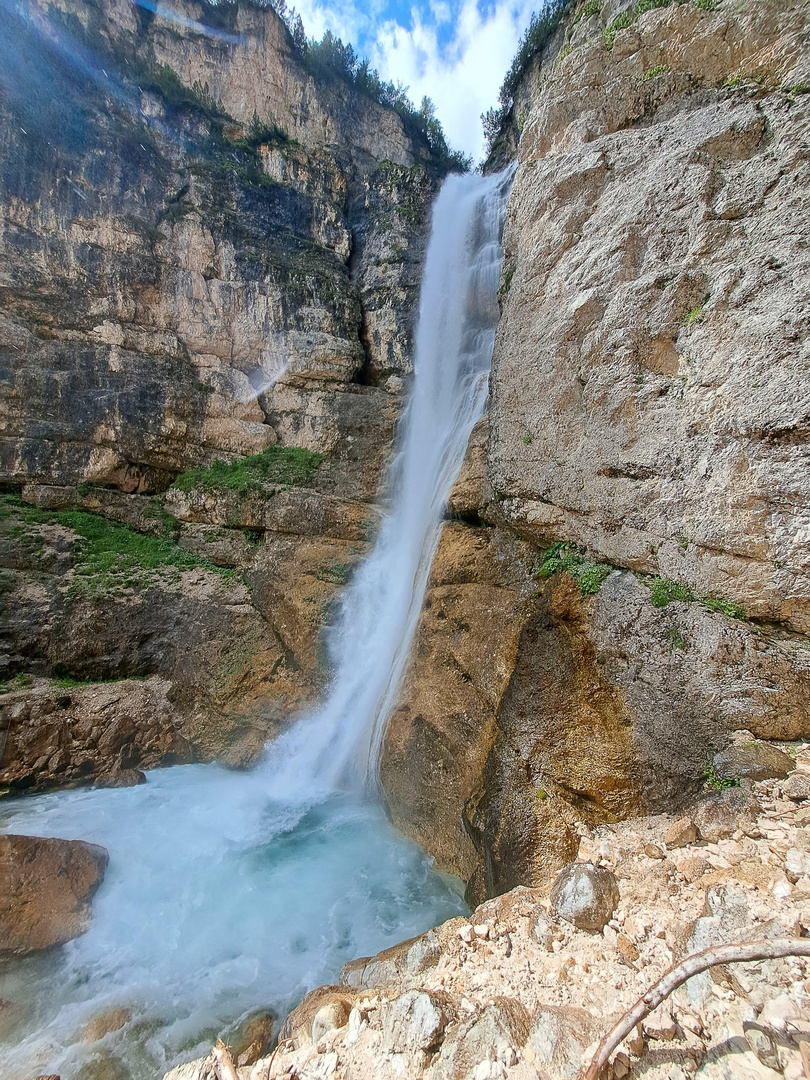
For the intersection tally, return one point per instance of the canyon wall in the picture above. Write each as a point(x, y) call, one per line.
point(208, 253)
point(649, 409)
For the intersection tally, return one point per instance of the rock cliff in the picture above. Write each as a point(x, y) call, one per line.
point(208, 253)
point(625, 583)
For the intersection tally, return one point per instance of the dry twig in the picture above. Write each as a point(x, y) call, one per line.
point(738, 953)
point(225, 1065)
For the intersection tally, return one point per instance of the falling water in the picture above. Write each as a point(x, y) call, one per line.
point(370, 644)
point(228, 892)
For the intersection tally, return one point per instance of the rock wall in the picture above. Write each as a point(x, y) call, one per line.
point(657, 279)
point(648, 407)
point(206, 253)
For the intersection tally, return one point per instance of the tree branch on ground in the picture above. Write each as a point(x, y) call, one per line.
point(737, 953)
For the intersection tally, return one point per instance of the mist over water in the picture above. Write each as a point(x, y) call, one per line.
point(226, 892)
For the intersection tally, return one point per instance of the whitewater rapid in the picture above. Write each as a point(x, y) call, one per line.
point(228, 893)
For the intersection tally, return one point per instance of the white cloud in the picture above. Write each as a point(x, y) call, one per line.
point(463, 76)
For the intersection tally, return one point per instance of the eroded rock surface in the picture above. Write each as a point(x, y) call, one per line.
point(45, 891)
point(652, 237)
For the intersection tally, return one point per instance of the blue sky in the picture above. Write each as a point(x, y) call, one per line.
point(454, 51)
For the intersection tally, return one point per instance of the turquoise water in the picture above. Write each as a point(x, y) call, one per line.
point(217, 901)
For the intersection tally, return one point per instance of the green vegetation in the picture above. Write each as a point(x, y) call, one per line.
point(593, 7)
point(694, 315)
point(329, 58)
point(714, 782)
point(664, 591)
point(534, 39)
point(653, 73)
point(335, 573)
point(676, 638)
point(276, 465)
point(68, 682)
point(527, 439)
point(506, 284)
point(587, 574)
point(108, 557)
point(621, 22)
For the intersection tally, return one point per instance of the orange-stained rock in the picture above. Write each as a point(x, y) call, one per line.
point(46, 886)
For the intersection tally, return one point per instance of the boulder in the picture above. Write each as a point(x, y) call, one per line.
point(412, 1023)
point(681, 833)
point(752, 761)
point(330, 1017)
point(585, 895)
point(723, 812)
point(253, 1039)
point(300, 1022)
point(104, 1023)
point(494, 1035)
point(797, 786)
point(46, 886)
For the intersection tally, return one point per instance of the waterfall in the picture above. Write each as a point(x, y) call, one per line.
point(369, 646)
point(228, 892)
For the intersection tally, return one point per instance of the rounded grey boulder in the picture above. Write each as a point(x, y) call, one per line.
point(585, 895)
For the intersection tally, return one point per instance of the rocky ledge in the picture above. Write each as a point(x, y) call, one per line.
point(518, 991)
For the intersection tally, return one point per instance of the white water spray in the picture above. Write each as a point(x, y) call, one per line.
point(370, 644)
point(228, 892)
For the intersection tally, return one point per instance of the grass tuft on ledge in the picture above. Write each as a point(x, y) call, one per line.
point(290, 465)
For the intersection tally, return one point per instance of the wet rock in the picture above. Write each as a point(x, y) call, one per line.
point(253, 1039)
point(121, 778)
point(99, 1026)
point(46, 886)
point(680, 833)
point(585, 895)
point(105, 1067)
point(752, 761)
point(720, 814)
point(412, 1023)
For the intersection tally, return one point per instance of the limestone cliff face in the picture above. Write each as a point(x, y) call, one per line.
point(658, 281)
point(649, 405)
point(206, 253)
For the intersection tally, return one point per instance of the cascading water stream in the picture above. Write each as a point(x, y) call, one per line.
point(370, 644)
point(229, 892)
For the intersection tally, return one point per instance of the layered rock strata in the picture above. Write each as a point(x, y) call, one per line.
point(207, 252)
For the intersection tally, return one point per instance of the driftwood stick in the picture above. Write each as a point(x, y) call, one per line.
point(225, 1066)
point(738, 953)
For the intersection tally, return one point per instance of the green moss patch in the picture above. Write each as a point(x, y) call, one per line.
point(290, 465)
point(108, 557)
point(588, 574)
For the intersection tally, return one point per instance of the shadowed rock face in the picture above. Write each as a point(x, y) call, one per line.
point(45, 891)
point(206, 252)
